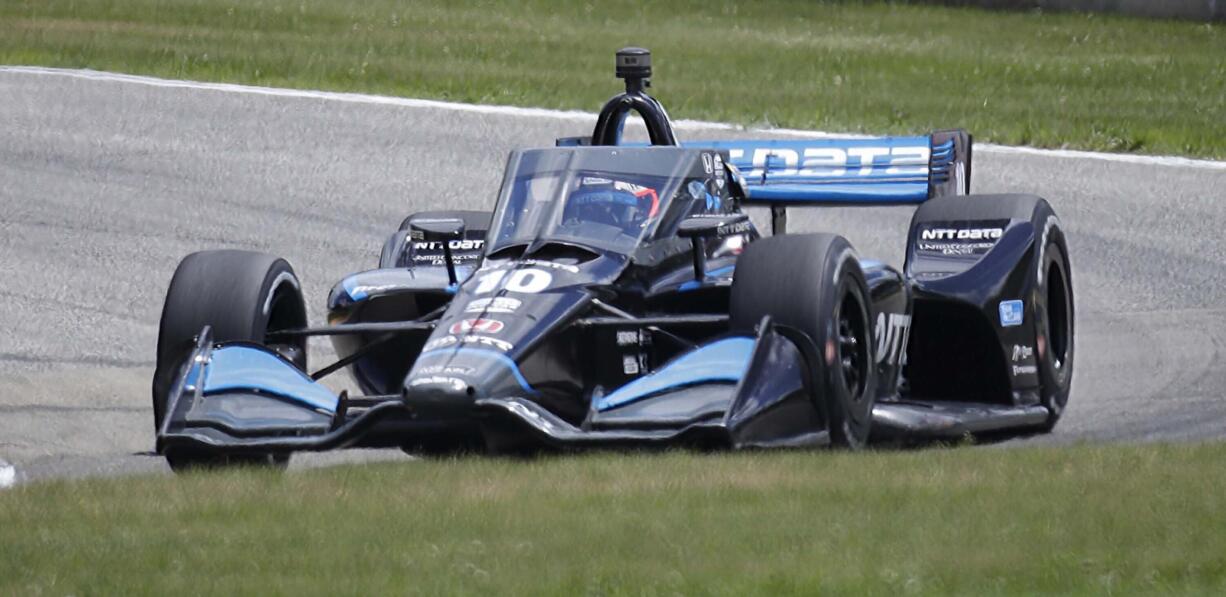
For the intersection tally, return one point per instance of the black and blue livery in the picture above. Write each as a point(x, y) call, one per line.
point(619, 295)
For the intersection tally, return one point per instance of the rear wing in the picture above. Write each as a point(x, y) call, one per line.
point(878, 171)
point(870, 171)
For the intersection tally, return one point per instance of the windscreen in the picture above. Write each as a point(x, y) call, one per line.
point(557, 196)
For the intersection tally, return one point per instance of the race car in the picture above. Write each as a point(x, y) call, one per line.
point(619, 295)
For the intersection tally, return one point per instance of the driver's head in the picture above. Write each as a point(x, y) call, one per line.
point(611, 202)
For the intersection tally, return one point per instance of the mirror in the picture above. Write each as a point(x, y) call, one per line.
point(440, 230)
point(710, 225)
point(437, 229)
point(700, 227)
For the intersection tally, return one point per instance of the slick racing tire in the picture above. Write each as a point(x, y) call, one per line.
point(240, 295)
point(1054, 323)
point(813, 283)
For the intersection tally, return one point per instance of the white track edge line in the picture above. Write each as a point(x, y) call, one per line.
point(576, 115)
point(8, 475)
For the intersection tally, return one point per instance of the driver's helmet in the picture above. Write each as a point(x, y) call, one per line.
point(611, 202)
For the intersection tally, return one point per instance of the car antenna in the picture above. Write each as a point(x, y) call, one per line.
point(634, 67)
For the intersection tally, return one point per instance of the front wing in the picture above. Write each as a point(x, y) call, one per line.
point(244, 398)
point(736, 392)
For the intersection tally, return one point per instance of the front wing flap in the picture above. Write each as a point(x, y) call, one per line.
point(241, 397)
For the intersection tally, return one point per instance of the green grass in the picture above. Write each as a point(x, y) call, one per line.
point(1098, 82)
point(1089, 520)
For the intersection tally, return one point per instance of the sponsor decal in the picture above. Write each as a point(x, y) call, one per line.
point(1021, 352)
point(437, 380)
point(708, 163)
point(449, 370)
point(526, 281)
point(959, 239)
point(483, 326)
point(498, 304)
point(891, 333)
point(431, 252)
point(361, 292)
point(732, 229)
point(836, 162)
point(446, 341)
point(727, 229)
point(442, 342)
point(502, 345)
point(961, 233)
point(955, 249)
point(454, 245)
point(549, 264)
point(1024, 370)
point(1011, 313)
point(627, 337)
point(630, 365)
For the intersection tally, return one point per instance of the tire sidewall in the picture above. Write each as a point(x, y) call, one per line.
point(850, 420)
point(1056, 382)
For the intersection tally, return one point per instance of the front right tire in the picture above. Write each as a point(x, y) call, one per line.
point(813, 284)
point(241, 295)
point(1054, 328)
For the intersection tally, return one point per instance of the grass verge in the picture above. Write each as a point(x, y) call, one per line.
point(1092, 520)
point(1096, 82)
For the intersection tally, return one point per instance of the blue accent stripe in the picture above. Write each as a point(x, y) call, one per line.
point(886, 192)
point(249, 368)
point(350, 286)
point(722, 361)
point(715, 273)
point(498, 356)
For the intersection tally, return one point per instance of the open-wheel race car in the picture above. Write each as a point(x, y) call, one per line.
point(619, 295)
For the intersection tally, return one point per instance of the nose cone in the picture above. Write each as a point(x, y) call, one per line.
point(499, 319)
point(445, 384)
point(439, 396)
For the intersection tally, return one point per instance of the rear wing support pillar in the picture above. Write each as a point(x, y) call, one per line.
point(779, 220)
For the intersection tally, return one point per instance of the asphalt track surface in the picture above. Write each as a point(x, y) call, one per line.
point(105, 185)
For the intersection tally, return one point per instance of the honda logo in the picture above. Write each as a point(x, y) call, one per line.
point(484, 326)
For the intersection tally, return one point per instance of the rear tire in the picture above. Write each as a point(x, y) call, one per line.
point(813, 283)
point(1050, 282)
point(241, 295)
